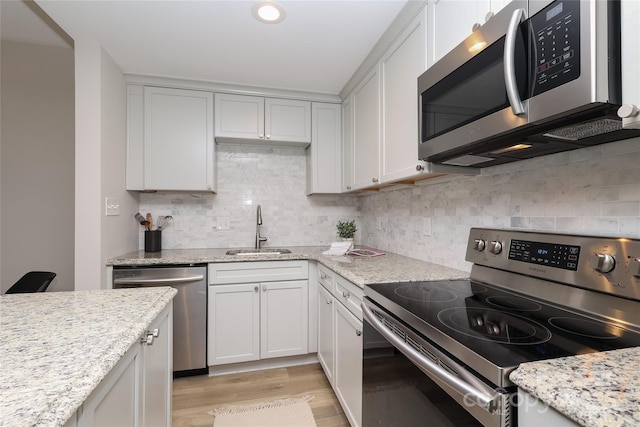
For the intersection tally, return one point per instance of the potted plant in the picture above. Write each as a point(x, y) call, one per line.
point(346, 229)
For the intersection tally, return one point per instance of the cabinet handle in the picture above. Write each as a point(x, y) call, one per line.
point(419, 168)
point(268, 136)
point(323, 276)
point(346, 294)
point(330, 301)
point(255, 289)
point(264, 288)
point(149, 337)
point(261, 136)
point(374, 179)
point(348, 187)
point(358, 333)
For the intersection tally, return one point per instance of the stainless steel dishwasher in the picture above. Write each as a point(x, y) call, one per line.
point(189, 309)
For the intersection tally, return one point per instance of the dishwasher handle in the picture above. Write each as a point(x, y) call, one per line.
point(158, 281)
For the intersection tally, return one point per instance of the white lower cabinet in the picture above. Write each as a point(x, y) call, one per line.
point(348, 364)
point(137, 391)
point(266, 317)
point(340, 340)
point(532, 412)
point(326, 327)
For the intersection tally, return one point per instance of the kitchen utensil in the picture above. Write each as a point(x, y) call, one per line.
point(141, 219)
point(149, 222)
point(164, 221)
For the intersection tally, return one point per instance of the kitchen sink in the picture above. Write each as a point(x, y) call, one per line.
point(257, 252)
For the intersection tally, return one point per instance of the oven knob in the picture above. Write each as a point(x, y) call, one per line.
point(634, 267)
point(478, 245)
point(603, 263)
point(495, 247)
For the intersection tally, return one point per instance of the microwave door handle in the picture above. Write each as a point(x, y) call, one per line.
point(509, 62)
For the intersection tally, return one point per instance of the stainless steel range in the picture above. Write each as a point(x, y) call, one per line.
point(531, 296)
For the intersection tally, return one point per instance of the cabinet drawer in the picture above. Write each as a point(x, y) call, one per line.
point(349, 295)
point(326, 278)
point(261, 271)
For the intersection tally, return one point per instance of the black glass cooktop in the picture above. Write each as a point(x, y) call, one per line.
point(503, 327)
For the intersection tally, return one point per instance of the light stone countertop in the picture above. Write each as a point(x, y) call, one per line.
point(358, 270)
point(595, 389)
point(55, 347)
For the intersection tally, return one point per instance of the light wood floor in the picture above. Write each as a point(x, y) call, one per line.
point(194, 397)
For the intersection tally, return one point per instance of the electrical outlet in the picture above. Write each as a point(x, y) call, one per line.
point(378, 223)
point(224, 223)
point(426, 226)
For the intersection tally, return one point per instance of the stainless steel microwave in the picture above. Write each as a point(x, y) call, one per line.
point(539, 77)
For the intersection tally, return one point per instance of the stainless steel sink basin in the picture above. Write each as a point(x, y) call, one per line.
point(258, 252)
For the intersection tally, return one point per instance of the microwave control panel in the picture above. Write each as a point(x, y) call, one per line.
point(555, 33)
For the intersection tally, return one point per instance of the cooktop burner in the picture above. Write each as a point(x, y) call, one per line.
point(494, 325)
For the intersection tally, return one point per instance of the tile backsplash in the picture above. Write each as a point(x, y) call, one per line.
point(593, 190)
point(248, 176)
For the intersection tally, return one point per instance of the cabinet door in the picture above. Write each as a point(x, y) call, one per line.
point(287, 120)
point(324, 155)
point(347, 144)
point(158, 373)
point(284, 318)
point(178, 139)
point(401, 66)
point(239, 116)
point(348, 373)
point(366, 131)
point(452, 21)
point(233, 323)
point(326, 328)
point(116, 401)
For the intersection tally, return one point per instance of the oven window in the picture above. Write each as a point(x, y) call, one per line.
point(396, 393)
point(475, 90)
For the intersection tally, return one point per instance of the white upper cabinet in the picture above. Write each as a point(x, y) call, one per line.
point(451, 21)
point(401, 65)
point(324, 155)
point(170, 139)
point(366, 130)
point(241, 117)
point(347, 144)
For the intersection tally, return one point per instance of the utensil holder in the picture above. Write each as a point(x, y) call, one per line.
point(153, 241)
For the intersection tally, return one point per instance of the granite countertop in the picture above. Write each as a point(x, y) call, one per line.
point(358, 270)
point(595, 389)
point(55, 347)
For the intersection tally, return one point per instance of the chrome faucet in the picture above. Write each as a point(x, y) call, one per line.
point(259, 239)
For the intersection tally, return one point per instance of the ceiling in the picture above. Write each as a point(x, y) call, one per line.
point(317, 48)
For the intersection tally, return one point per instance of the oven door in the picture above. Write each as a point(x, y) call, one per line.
point(477, 90)
point(406, 381)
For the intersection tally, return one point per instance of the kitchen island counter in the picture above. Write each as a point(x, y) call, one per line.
point(595, 389)
point(358, 270)
point(56, 347)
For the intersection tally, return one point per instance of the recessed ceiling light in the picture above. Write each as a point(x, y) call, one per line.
point(268, 12)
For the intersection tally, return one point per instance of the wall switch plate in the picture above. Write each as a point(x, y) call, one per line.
point(112, 206)
point(426, 226)
point(224, 223)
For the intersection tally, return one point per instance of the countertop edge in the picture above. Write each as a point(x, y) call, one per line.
point(580, 386)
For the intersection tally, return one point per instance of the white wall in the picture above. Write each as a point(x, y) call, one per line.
point(37, 163)
point(588, 191)
point(100, 142)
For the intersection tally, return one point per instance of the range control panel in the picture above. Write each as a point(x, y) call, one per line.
point(553, 255)
point(606, 264)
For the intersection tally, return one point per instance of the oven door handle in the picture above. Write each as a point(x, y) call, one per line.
point(483, 400)
point(510, 62)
